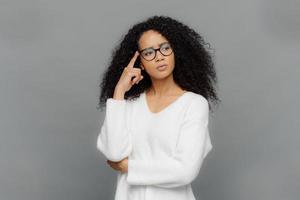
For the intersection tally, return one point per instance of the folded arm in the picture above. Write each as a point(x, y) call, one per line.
point(184, 165)
point(114, 139)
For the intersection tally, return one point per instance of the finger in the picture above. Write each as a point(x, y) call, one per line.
point(114, 166)
point(137, 77)
point(113, 162)
point(139, 80)
point(134, 73)
point(133, 59)
point(134, 70)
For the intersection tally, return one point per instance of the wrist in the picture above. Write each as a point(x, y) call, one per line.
point(119, 94)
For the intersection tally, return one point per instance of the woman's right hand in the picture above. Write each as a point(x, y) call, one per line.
point(125, 83)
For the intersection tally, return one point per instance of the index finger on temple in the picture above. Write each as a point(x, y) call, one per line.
point(133, 59)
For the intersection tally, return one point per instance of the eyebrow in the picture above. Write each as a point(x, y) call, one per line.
point(153, 47)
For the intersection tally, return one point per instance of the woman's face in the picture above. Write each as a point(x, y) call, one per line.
point(153, 39)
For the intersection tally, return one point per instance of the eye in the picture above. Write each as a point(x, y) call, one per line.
point(166, 47)
point(148, 53)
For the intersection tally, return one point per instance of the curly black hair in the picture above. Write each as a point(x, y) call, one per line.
point(193, 71)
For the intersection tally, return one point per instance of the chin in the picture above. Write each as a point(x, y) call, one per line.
point(163, 75)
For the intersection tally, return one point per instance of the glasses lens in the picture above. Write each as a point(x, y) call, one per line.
point(148, 54)
point(166, 49)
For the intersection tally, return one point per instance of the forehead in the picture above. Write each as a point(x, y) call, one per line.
point(151, 39)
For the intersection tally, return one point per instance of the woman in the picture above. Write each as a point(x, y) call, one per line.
point(156, 91)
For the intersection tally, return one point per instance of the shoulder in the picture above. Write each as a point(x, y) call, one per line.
point(198, 109)
point(198, 101)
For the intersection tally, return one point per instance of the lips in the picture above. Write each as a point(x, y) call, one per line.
point(159, 66)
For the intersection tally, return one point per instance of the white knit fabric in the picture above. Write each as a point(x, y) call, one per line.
point(165, 150)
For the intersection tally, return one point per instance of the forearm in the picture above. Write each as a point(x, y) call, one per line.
point(114, 139)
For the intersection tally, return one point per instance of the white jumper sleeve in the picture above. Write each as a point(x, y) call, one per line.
point(114, 139)
point(183, 167)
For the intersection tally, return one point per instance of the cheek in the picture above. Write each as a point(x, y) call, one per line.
point(171, 61)
point(150, 66)
point(170, 58)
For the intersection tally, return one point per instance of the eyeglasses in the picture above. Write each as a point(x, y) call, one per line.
point(150, 53)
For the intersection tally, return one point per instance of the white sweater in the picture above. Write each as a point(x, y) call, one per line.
point(165, 150)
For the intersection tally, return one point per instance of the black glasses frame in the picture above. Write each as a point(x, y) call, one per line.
point(155, 50)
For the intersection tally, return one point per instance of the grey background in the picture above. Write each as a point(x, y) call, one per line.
point(53, 54)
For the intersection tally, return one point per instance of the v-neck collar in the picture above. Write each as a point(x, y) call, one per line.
point(144, 98)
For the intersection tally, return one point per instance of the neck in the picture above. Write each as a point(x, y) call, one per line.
point(164, 87)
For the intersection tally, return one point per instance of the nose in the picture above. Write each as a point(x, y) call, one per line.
point(159, 56)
